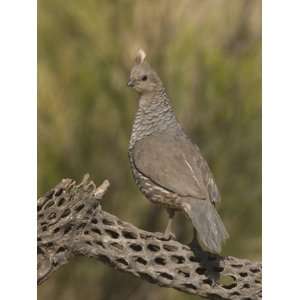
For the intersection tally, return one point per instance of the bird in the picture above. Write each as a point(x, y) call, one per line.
point(167, 166)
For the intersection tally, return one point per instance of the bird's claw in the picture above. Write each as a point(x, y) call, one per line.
point(167, 236)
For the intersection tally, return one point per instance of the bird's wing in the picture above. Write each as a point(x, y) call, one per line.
point(174, 163)
point(208, 179)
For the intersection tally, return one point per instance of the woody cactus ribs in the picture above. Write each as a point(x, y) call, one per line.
point(71, 222)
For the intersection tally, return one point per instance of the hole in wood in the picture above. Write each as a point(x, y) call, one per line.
point(166, 275)
point(66, 213)
point(52, 216)
point(39, 250)
point(60, 250)
point(227, 281)
point(236, 265)
point(208, 281)
point(147, 277)
point(96, 230)
point(129, 235)
point(81, 226)
point(153, 247)
point(58, 192)
point(104, 258)
point(229, 286)
point(193, 259)
point(189, 286)
point(243, 274)
point(254, 270)
point(107, 222)
point(61, 201)
point(79, 208)
point(49, 194)
point(117, 246)
point(112, 234)
point(67, 229)
point(177, 259)
point(160, 261)
point(90, 211)
point(94, 221)
point(54, 263)
point(49, 204)
point(257, 281)
point(56, 230)
point(184, 273)
point(136, 247)
point(170, 248)
point(99, 243)
point(122, 261)
point(201, 270)
point(140, 260)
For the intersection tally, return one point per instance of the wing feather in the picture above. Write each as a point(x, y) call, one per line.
point(176, 164)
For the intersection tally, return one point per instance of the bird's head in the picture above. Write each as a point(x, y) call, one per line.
point(143, 78)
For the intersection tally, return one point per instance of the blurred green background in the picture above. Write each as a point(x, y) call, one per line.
point(208, 54)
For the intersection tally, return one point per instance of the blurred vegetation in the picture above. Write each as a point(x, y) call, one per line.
point(208, 54)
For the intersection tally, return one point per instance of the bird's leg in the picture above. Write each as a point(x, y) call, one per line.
point(168, 231)
point(194, 243)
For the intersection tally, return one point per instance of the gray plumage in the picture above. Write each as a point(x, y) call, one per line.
point(167, 167)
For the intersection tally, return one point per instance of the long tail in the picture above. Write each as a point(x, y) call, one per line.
point(211, 232)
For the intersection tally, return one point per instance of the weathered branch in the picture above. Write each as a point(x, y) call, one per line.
point(71, 222)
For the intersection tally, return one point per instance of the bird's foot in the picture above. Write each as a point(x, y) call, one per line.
point(166, 236)
point(169, 235)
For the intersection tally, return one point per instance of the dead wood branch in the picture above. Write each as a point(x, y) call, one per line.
point(71, 223)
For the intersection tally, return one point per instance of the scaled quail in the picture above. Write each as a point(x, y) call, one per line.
point(167, 167)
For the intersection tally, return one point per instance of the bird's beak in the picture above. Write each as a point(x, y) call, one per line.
point(130, 83)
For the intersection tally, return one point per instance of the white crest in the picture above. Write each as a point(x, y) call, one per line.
point(141, 55)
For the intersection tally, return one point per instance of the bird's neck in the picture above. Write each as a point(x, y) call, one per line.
point(155, 114)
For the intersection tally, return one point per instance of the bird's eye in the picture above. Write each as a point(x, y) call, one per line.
point(145, 77)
